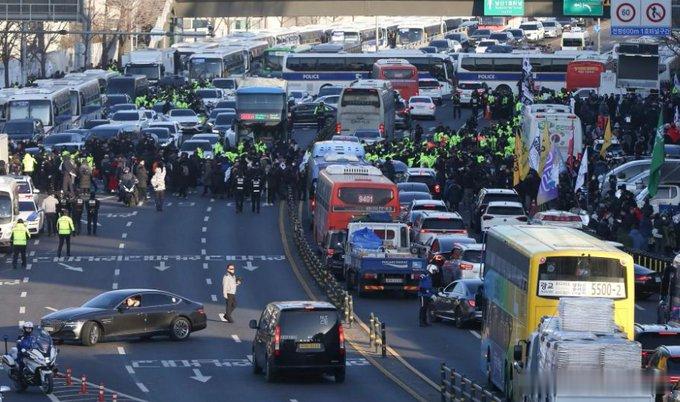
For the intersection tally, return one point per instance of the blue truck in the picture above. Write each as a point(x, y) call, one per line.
point(378, 258)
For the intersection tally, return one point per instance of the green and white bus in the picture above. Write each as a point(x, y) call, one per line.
point(273, 58)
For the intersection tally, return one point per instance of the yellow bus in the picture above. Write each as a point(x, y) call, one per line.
point(527, 269)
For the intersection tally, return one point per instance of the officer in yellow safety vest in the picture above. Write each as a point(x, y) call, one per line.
point(19, 239)
point(217, 149)
point(65, 228)
point(28, 164)
point(199, 152)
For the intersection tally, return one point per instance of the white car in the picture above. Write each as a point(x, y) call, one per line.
point(503, 213)
point(422, 106)
point(212, 138)
point(533, 30)
point(329, 100)
point(484, 44)
point(134, 119)
point(224, 125)
point(189, 147)
point(33, 217)
point(465, 91)
point(369, 136)
point(25, 187)
point(558, 218)
point(299, 97)
point(187, 120)
point(430, 87)
point(552, 28)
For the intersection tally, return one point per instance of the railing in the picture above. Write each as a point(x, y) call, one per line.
point(652, 261)
point(458, 388)
point(377, 335)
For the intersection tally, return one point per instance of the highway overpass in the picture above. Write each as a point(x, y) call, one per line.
point(300, 8)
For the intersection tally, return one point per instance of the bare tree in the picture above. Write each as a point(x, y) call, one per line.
point(673, 42)
point(8, 46)
point(39, 43)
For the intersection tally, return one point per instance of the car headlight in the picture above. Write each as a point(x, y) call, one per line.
point(73, 324)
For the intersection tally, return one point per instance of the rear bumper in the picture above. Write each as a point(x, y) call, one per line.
point(309, 367)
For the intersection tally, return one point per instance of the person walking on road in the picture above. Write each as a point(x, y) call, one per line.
point(158, 184)
point(240, 190)
point(455, 101)
point(92, 214)
point(229, 284)
point(425, 294)
point(49, 205)
point(65, 228)
point(77, 208)
point(19, 239)
point(255, 186)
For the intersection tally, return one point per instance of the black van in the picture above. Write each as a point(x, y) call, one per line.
point(130, 85)
point(299, 336)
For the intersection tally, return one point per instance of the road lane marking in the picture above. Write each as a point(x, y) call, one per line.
point(204, 229)
point(206, 219)
point(142, 387)
point(50, 308)
point(29, 267)
point(22, 310)
point(31, 254)
point(116, 272)
point(51, 259)
point(121, 245)
point(128, 224)
point(36, 242)
point(639, 307)
point(475, 333)
point(114, 286)
point(25, 280)
point(129, 369)
point(208, 281)
point(236, 338)
point(203, 240)
point(124, 236)
point(205, 265)
point(121, 350)
point(203, 252)
point(213, 298)
point(23, 294)
point(208, 209)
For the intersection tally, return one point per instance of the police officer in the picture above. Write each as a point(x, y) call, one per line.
point(65, 228)
point(19, 239)
point(425, 293)
point(256, 191)
point(92, 214)
point(455, 100)
point(320, 114)
point(77, 208)
point(240, 184)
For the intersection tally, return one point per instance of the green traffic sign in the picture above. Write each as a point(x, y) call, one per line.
point(503, 7)
point(583, 8)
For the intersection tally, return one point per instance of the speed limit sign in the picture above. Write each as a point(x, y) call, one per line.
point(625, 12)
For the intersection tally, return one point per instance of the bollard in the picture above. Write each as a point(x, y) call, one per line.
point(383, 341)
point(69, 380)
point(83, 385)
point(100, 398)
point(371, 328)
point(442, 384)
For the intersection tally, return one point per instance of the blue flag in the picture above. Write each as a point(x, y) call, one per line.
point(551, 175)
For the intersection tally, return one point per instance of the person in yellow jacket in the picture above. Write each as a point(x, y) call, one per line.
point(28, 164)
point(19, 239)
point(65, 228)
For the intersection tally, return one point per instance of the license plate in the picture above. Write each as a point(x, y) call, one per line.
point(393, 280)
point(49, 329)
point(657, 279)
point(309, 346)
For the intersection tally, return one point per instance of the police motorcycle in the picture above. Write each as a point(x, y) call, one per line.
point(39, 362)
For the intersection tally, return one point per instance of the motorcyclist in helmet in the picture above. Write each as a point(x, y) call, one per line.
point(425, 293)
point(24, 342)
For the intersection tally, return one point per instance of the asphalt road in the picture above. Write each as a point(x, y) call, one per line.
point(196, 237)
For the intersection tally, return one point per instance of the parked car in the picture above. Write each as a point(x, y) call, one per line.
point(187, 119)
point(502, 213)
point(487, 195)
point(422, 106)
point(533, 30)
point(432, 88)
point(427, 176)
point(457, 302)
point(299, 336)
point(647, 282)
point(553, 29)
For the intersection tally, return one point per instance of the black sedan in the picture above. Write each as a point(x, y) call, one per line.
point(304, 113)
point(457, 302)
point(647, 282)
point(127, 313)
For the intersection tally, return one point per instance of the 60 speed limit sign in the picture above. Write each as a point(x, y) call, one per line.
point(625, 12)
point(641, 17)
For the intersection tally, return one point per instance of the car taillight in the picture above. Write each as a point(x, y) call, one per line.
point(465, 267)
point(370, 276)
point(522, 218)
point(643, 278)
point(487, 217)
point(416, 276)
point(471, 303)
point(423, 230)
point(431, 106)
point(341, 338)
point(674, 378)
point(277, 341)
point(437, 188)
point(338, 127)
point(381, 129)
point(330, 252)
point(200, 311)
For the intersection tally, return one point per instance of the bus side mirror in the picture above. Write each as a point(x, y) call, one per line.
point(517, 353)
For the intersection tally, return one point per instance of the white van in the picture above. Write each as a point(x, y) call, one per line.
point(9, 208)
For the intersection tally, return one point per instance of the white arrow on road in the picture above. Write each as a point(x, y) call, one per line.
point(250, 267)
point(198, 376)
point(84, 221)
point(162, 267)
point(70, 268)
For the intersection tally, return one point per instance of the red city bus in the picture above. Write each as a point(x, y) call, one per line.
point(402, 75)
point(346, 191)
point(584, 74)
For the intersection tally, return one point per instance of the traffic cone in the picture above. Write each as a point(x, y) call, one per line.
point(83, 385)
point(100, 398)
point(68, 377)
point(114, 398)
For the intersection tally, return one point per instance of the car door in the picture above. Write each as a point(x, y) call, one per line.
point(456, 297)
point(445, 302)
point(160, 310)
point(128, 320)
point(261, 336)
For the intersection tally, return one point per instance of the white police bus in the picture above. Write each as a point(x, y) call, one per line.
point(310, 72)
point(503, 71)
point(51, 105)
point(86, 98)
point(219, 63)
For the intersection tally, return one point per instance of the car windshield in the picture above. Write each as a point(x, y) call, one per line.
point(307, 324)
point(27, 206)
point(406, 198)
point(208, 93)
point(115, 99)
point(529, 27)
point(125, 116)
point(498, 36)
point(161, 133)
point(104, 300)
point(428, 84)
point(104, 133)
point(170, 127)
point(419, 100)
point(481, 32)
point(500, 210)
point(225, 119)
point(500, 197)
point(367, 134)
point(428, 180)
point(549, 24)
point(473, 256)
point(223, 84)
point(192, 145)
point(443, 224)
point(182, 113)
point(486, 43)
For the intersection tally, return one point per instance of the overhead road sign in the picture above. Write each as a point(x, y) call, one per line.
point(641, 17)
point(41, 10)
point(503, 7)
point(583, 8)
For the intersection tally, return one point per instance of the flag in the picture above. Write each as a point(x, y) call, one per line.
point(518, 154)
point(658, 159)
point(526, 65)
point(607, 138)
point(535, 153)
point(676, 84)
point(570, 150)
point(548, 189)
point(582, 171)
point(545, 147)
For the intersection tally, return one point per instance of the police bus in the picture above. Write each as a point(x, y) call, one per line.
point(86, 98)
point(418, 31)
point(309, 72)
point(273, 58)
point(366, 106)
point(51, 105)
point(220, 63)
point(503, 71)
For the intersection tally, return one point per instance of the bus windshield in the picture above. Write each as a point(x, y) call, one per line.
point(33, 109)
point(200, 68)
point(360, 97)
point(151, 72)
point(410, 35)
point(581, 277)
point(259, 102)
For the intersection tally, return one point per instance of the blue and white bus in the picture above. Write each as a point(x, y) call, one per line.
point(504, 71)
point(310, 72)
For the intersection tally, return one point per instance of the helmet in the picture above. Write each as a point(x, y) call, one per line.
point(432, 269)
point(27, 327)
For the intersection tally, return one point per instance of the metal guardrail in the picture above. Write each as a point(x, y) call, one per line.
point(377, 335)
point(457, 388)
point(652, 261)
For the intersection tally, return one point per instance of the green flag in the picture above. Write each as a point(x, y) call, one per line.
point(658, 158)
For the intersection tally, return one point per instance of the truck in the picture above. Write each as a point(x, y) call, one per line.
point(378, 257)
point(152, 63)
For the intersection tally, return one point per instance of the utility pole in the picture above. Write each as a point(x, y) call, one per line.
point(24, 64)
point(377, 34)
point(599, 30)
